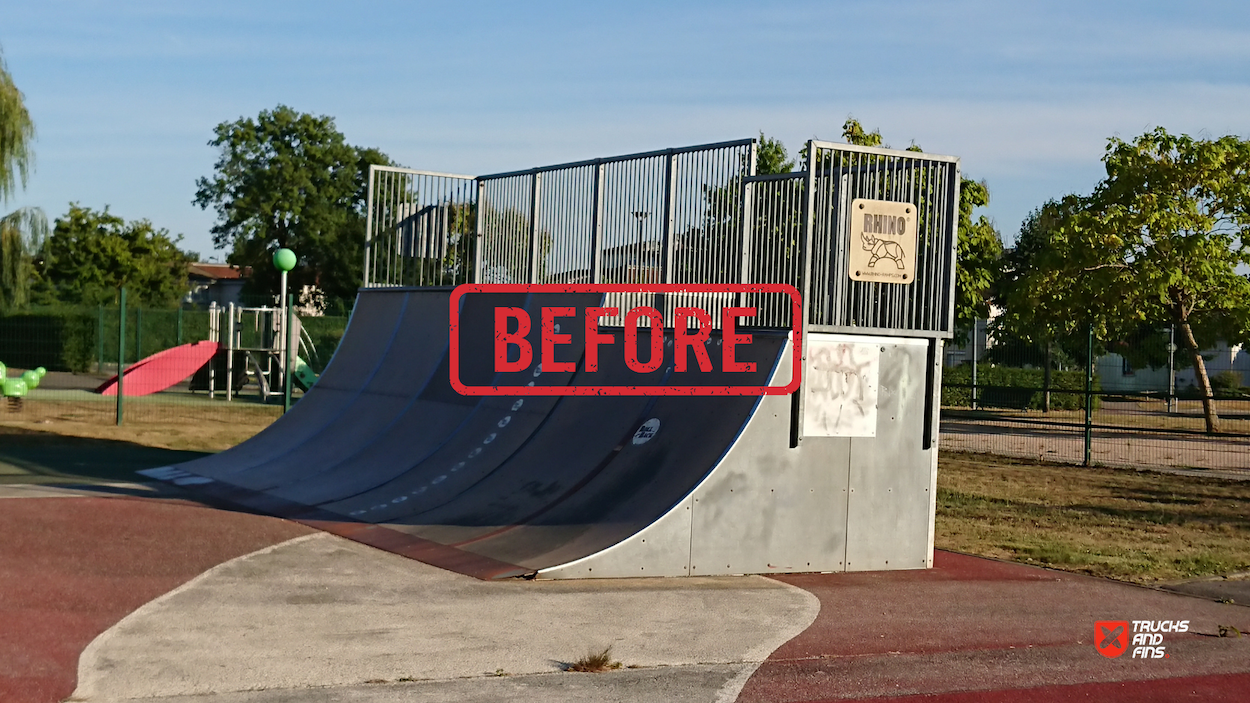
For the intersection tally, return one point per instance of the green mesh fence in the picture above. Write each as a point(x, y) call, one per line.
point(1139, 403)
point(174, 375)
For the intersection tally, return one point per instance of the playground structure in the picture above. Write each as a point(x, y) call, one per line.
point(839, 476)
point(251, 343)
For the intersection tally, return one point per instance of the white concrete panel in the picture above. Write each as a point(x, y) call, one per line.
point(840, 387)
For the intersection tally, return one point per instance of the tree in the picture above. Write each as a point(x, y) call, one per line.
point(91, 254)
point(21, 231)
point(290, 179)
point(1167, 230)
point(16, 133)
point(979, 246)
point(771, 157)
point(1039, 299)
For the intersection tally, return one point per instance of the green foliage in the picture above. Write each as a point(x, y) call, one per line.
point(1042, 301)
point(853, 132)
point(771, 157)
point(1160, 240)
point(92, 253)
point(17, 131)
point(61, 340)
point(1170, 222)
point(1226, 382)
point(290, 179)
point(1014, 388)
point(979, 250)
point(979, 245)
point(22, 233)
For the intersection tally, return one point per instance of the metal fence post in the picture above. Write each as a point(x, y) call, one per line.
point(536, 184)
point(479, 237)
point(367, 273)
point(99, 335)
point(287, 366)
point(976, 346)
point(667, 244)
point(121, 353)
point(1171, 368)
point(596, 229)
point(805, 290)
point(1089, 397)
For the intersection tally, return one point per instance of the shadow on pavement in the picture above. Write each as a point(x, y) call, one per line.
point(38, 457)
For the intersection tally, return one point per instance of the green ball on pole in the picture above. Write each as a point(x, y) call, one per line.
point(284, 259)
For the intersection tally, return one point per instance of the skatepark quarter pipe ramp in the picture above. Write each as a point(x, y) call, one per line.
point(838, 476)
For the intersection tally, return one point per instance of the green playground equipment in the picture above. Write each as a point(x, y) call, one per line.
point(304, 376)
point(15, 387)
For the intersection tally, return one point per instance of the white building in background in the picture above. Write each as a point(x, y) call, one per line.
point(1114, 372)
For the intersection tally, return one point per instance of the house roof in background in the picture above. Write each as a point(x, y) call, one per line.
point(217, 272)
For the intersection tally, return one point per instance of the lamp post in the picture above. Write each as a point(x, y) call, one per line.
point(1171, 368)
point(284, 260)
point(642, 216)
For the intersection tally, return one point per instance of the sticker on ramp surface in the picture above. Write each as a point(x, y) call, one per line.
point(648, 430)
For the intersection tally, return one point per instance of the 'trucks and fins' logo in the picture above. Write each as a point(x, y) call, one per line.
point(1111, 637)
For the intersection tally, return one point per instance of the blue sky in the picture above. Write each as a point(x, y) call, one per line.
point(125, 95)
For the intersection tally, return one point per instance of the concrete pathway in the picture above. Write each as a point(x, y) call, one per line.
point(322, 618)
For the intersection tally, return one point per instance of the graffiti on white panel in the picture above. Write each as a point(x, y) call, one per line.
point(841, 397)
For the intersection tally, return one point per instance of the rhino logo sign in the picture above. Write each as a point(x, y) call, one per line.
point(882, 249)
point(883, 241)
point(1111, 637)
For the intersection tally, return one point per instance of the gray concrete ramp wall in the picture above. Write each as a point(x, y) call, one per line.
point(830, 504)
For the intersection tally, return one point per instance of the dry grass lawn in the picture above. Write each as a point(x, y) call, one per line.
point(1134, 525)
point(189, 428)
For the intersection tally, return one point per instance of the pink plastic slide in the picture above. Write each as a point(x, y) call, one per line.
point(162, 370)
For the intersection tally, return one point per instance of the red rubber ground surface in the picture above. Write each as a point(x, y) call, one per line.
point(978, 630)
point(1226, 687)
point(967, 631)
point(72, 567)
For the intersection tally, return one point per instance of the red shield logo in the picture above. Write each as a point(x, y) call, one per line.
point(1111, 637)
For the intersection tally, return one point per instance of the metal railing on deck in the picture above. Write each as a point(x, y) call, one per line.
point(692, 215)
